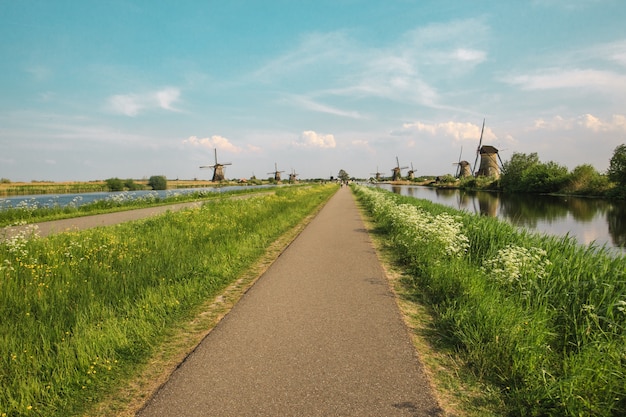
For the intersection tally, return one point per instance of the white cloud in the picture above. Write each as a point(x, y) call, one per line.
point(617, 123)
point(167, 97)
point(132, 104)
point(215, 141)
point(455, 130)
point(311, 139)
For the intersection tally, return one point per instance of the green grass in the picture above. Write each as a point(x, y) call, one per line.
point(81, 310)
point(117, 202)
point(540, 318)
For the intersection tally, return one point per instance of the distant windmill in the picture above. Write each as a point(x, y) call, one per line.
point(488, 159)
point(292, 176)
point(218, 169)
point(378, 175)
point(411, 173)
point(462, 168)
point(397, 171)
point(276, 172)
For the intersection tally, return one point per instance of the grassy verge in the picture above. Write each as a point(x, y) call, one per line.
point(118, 202)
point(539, 318)
point(82, 311)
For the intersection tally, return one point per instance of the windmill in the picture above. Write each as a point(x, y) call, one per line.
point(489, 158)
point(378, 175)
point(462, 167)
point(276, 172)
point(218, 169)
point(292, 176)
point(397, 171)
point(411, 173)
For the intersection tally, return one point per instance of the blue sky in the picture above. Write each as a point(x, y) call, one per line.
point(132, 88)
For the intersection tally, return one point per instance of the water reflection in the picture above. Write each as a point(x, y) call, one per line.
point(586, 219)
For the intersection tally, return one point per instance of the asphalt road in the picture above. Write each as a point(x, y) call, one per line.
point(319, 334)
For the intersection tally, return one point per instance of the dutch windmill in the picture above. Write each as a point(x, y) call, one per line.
point(463, 169)
point(276, 172)
point(378, 175)
point(411, 173)
point(218, 169)
point(489, 158)
point(397, 171)
point(292, 176)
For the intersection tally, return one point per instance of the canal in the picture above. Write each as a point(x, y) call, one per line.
point(588, 220)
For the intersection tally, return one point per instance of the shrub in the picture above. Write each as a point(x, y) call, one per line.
point(115, 184)
point(158, 182)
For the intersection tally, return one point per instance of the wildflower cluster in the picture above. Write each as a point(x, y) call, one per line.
point(414, 228)
point(515, 266)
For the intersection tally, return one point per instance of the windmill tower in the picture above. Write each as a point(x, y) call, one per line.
point(292, 176)
point(397, 171)
point(463, 169)
point(218, 169)
point(411, 174)
point(276, 173)
point(488, 159)
point(378, 175)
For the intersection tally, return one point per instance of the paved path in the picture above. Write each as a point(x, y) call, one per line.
point(97, 220)
point(319, 334)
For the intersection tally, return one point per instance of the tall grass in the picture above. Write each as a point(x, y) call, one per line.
point(80, 310)
point(540, 317)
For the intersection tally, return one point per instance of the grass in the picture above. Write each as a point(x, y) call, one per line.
point(83, 310)
point(539, 318)
point(28, 213)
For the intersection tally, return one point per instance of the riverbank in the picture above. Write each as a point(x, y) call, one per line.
point(539, 319)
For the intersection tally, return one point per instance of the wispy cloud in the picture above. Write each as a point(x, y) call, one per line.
point(310, 104)
point(570, 78)
point(132, 104)
point(403, 70)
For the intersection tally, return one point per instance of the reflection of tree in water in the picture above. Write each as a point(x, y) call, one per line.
point(616, 217)
point(585, 209)
point(527, 209)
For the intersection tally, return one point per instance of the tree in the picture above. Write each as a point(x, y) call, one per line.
point(343, 175)
point(158, 182)
point(617, 166)
point(526, 174)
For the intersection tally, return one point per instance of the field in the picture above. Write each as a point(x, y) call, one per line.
point(82, 310)
point(49, 187)
point(540, 320)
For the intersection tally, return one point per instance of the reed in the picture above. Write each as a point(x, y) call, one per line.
point(81, 310)
point(541, 318)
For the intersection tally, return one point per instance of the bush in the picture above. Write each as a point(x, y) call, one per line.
point(158, 182)
point(115, 184)
point(131, 185)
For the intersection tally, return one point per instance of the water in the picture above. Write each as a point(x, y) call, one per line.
point(62, 200)
point(588, 220)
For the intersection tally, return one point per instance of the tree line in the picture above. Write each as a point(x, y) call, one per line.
point(525, 173)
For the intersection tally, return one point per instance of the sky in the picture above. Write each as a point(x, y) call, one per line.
point(93, 89)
